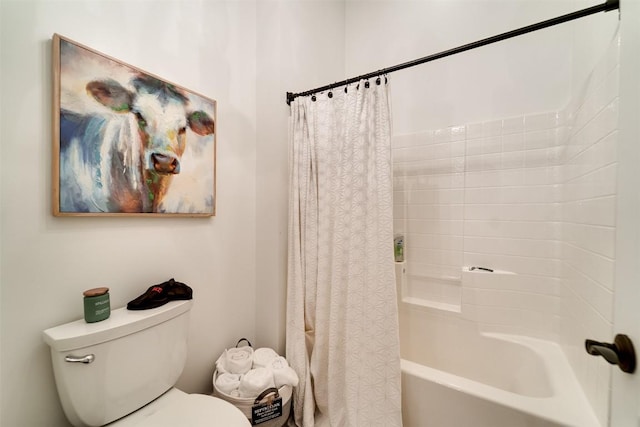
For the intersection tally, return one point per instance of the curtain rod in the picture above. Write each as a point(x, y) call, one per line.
point(607, 6)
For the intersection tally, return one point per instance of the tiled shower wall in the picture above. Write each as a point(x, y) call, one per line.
point(532, 195)
point(588, 228)
point(428, 212)
point(512, 223)
point(487, 195)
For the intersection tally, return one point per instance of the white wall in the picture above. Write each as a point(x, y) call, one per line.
point(47, 262)
point(589, 195)
point(496, 193)
point(295, 53)
point(485, 194)
point(533, 195)
point(625, 396)
point(591, 37)
point(517, 176)
point(485, 122)
point(244, 54)
point(528, 74)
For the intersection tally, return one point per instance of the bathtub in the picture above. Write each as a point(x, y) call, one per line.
point(455, 376)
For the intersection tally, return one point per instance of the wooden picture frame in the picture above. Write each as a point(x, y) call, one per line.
point(126, 142)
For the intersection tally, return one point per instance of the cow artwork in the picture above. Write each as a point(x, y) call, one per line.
point(127, 142)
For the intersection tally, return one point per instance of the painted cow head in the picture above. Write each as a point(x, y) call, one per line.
point(161, 112)
point(162, 116)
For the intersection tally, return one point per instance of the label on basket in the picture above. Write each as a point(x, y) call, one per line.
point(264, 412)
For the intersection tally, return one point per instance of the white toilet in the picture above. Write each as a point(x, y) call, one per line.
point(122, 371)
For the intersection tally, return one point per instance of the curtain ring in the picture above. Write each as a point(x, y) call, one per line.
point(313, 98)
point(378, 81)
point(366, 84)
point(330, 94)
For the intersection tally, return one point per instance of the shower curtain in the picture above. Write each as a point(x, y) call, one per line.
point(342, 318)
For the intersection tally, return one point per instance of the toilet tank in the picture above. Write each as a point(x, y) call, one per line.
point(135, 357)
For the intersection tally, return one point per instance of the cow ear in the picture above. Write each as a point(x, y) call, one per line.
point(201, 123)
point(111, 94)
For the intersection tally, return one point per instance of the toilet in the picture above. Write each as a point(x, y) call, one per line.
point(121, 372)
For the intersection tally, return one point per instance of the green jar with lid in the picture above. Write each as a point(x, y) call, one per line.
point(96, 304)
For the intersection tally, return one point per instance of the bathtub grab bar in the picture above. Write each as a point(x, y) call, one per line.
point(481, 268)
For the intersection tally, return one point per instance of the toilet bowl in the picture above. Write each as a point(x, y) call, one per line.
point(122, 371)
point(177, 408)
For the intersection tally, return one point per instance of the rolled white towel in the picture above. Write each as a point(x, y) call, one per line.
point(263, 357)
point(283, 374)
point(220, 363)
point(227, 383)
point(255, 382)
point(236, 360)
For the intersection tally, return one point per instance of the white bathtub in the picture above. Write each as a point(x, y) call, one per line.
point(455, 376)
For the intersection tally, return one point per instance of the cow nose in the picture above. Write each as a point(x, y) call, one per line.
point(165, 164)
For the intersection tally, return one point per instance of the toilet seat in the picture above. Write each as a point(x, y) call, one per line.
point(177, 408)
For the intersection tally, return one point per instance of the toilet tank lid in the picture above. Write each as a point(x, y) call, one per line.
point(121, 322)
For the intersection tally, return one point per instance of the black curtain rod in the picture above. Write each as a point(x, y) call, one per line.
point(607, 6)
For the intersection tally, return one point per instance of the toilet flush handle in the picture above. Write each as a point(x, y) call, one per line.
point(80, 359)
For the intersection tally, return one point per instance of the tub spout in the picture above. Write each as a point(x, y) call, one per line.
point(608, 351)
point(619, 353)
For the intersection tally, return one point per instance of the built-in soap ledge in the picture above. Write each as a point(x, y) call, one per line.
point(436, 305)
point(434, 292)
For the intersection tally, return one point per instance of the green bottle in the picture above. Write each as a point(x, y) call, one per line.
point(398, 248)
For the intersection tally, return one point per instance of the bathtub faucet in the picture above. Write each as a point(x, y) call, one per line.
point(619, 353)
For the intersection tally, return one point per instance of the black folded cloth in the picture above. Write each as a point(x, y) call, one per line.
point(161, 294)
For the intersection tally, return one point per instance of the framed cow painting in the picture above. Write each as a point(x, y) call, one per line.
point(126, 142)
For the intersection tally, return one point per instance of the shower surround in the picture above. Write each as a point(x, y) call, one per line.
point(532, 197)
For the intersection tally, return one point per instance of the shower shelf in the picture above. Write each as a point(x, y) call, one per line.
point(446, 279)
point(454, 308)
point(430, 291)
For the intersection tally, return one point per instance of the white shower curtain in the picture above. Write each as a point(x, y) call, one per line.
point(342, 318)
